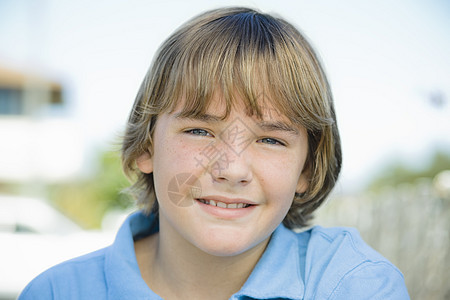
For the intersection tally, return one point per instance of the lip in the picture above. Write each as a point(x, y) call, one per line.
point(228, 200)
point(226, 213)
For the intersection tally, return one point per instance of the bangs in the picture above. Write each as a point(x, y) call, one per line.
point(267, 65)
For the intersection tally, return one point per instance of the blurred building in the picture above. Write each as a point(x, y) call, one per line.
point(36, 144)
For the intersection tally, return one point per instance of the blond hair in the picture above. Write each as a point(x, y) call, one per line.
point(239, 50)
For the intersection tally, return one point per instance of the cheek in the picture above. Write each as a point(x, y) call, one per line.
point(172, 158)
point(279, 181)
point(172, 154)
point(283, 170)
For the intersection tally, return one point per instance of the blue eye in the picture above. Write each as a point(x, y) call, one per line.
point(198, 131)
point(271, 141)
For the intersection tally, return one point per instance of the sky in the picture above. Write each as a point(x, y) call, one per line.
point(387, 62)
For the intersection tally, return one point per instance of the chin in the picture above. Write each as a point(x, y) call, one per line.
point(226, 244)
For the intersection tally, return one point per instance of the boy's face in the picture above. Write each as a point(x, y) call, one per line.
point(223, 186)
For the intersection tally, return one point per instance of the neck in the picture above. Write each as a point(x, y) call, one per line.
point(176, 269)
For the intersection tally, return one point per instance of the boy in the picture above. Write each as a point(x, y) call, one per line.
point(233, 134)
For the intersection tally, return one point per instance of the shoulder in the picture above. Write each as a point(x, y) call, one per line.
point(64, 281)
point(340, 265)
point(341, 241)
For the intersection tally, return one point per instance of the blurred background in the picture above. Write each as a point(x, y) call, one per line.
point(69, 72)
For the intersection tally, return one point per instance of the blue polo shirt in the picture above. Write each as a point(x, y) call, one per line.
point(319, 263)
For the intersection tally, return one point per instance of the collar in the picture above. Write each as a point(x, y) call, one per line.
point(122, 272)
point(276, 275)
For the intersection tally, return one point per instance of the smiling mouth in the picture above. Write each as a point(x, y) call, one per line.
point(223, 204)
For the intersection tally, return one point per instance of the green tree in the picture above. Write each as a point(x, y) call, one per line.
point(398, 172)
point(87, 200)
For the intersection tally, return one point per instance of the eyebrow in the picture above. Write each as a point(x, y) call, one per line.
point(277, 126)
point(201, 117)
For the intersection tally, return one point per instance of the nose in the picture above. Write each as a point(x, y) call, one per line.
point(231, 167)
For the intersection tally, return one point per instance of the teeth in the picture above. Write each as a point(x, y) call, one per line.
point(224, 205)
point(221, 204)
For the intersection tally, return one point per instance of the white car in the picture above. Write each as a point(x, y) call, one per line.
point(35, 236)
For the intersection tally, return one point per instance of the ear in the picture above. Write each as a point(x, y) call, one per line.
point(303, 181)
point(145, 163)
